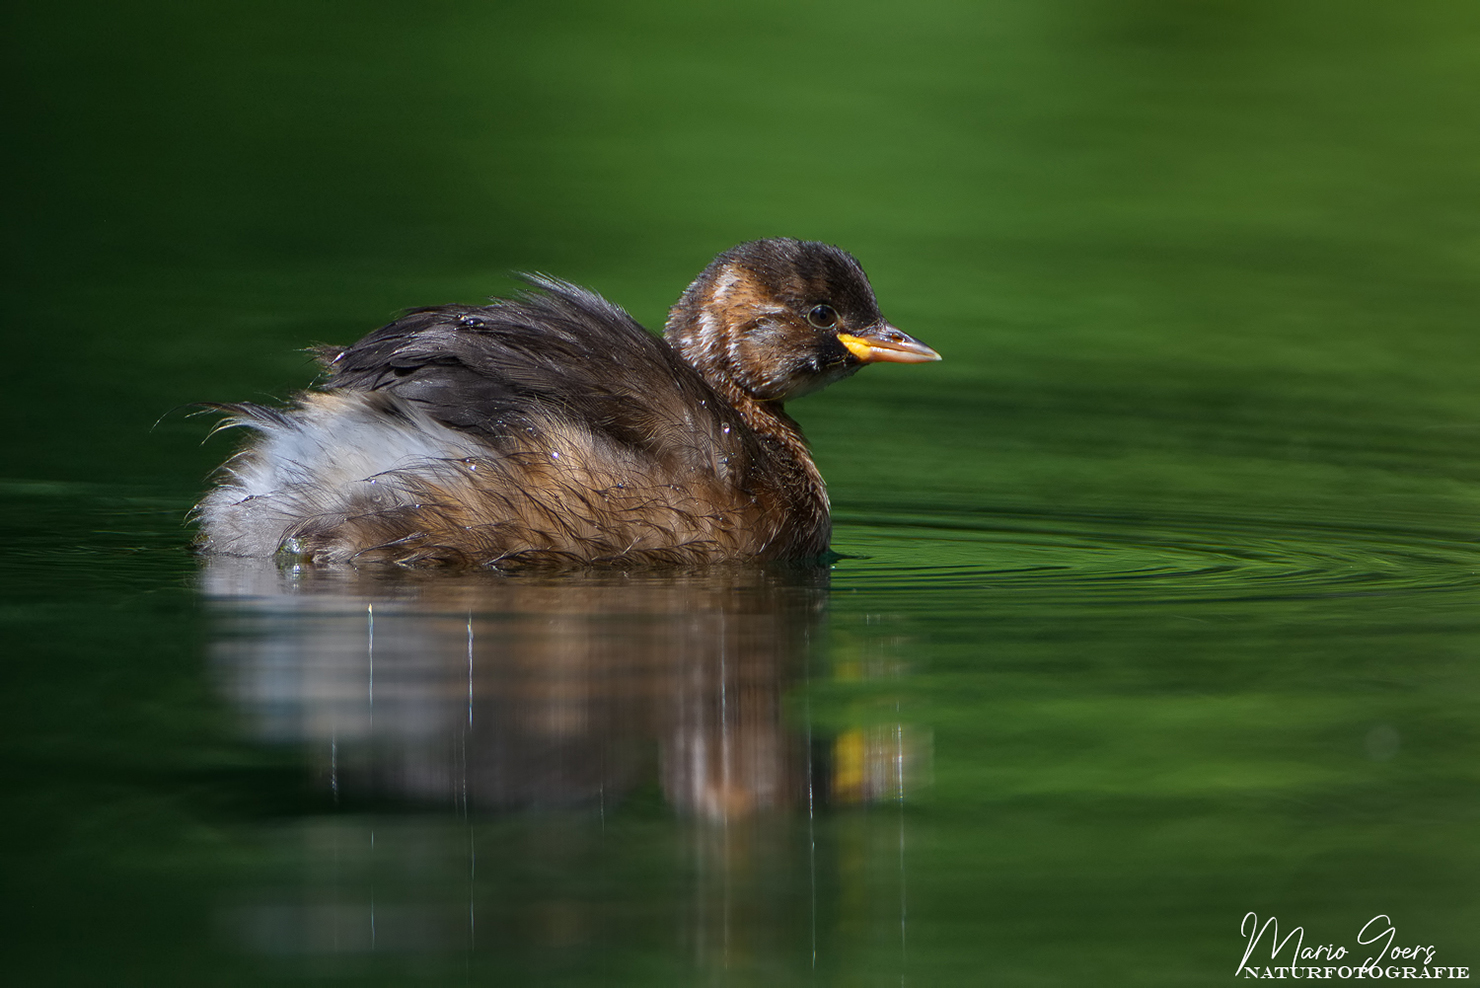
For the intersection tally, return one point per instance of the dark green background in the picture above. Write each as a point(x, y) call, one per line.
point(1184, 521)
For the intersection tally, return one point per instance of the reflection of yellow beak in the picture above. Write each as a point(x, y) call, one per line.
point(885, 344)
point(849, 754)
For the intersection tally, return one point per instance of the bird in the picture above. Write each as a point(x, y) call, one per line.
point(551, 428)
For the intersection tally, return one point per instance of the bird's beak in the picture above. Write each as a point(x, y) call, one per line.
point(884, 343)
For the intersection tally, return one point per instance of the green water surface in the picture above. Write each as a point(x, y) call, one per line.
point(1159, 597)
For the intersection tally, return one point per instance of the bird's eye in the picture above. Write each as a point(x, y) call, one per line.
point(823, 316)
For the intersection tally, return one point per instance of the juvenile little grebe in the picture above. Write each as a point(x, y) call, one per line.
point(554, 428)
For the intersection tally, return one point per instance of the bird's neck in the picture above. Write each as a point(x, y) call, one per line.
point(791, 465)
point(703, 343)
point(784, 482)
point(768, 419)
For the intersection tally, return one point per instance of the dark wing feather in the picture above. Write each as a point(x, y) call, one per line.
point(561, 352)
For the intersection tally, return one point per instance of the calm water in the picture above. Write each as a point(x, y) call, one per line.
point(1159, 598)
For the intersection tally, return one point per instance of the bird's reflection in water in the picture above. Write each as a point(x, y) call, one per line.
point(478, 693)
point(481, 691)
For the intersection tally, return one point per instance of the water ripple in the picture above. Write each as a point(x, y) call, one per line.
point(1164, 558)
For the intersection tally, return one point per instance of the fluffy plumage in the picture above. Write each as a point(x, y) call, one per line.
point(552, 428)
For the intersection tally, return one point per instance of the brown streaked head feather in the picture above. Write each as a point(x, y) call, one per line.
point(777, 319)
